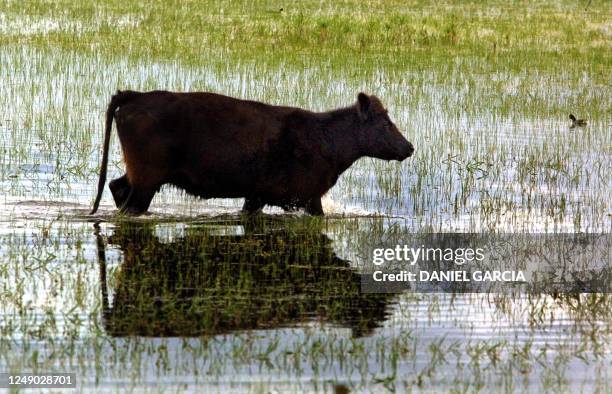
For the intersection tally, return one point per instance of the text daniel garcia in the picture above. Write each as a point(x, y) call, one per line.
point(449, 276)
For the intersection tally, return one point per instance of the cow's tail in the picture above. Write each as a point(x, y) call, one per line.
point(116, 101)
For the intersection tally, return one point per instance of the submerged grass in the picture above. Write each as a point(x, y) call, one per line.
point(213, 302)
point(483, 90)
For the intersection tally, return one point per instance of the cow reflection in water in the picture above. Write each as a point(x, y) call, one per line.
point(206, 283)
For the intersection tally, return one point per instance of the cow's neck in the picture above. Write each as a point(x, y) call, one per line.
point(341, 126)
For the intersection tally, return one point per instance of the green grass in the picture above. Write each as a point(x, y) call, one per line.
point(353, 36)
point(482, 89)
point(274, 302)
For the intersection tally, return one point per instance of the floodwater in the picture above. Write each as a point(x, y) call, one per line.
point(195, 297)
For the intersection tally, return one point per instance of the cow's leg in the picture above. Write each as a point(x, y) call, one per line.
point(120, 188)
point(138, 200)
point(252, 206)
point(314, 207)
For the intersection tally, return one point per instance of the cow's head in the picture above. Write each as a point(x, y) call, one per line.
point(378, 137)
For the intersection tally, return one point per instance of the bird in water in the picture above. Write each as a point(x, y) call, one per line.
point(577, 122)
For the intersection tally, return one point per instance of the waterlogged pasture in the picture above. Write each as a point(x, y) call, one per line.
point(194, 297)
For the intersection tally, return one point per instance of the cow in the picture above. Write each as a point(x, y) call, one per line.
point(215, 146)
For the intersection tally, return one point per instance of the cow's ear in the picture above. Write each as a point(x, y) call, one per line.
point(363, 105)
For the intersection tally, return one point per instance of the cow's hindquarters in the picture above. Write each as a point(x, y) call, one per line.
point(146, 152)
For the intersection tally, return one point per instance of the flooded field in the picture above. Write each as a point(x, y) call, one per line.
point(195, 297)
